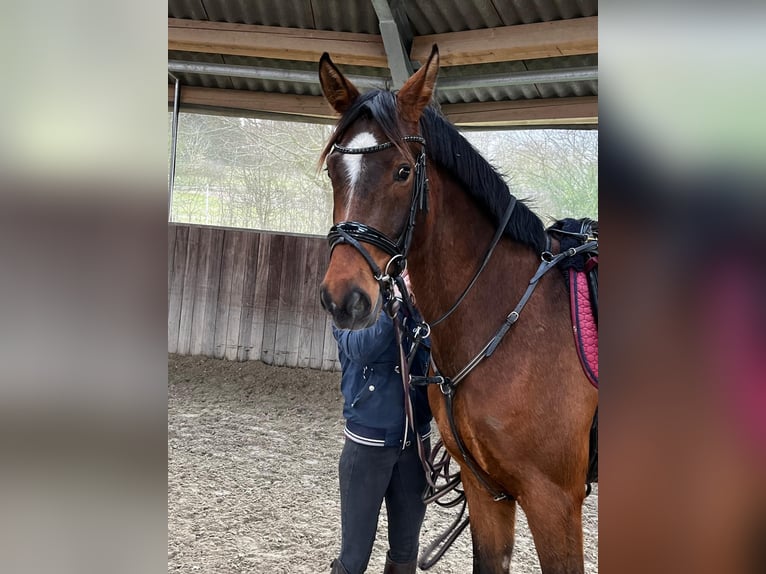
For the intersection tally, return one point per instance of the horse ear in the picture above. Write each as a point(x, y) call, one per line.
point(416, 92)
point(338, 91)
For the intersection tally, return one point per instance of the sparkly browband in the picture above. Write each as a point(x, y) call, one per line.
point(375, 148)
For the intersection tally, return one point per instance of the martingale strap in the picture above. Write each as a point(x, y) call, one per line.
point(490, 250)
point(449, 385)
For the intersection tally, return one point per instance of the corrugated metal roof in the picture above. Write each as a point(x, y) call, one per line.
point(425, 16)
point(531, 91)
point(358, 16)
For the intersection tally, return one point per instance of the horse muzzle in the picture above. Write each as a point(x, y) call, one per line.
point(352, 309)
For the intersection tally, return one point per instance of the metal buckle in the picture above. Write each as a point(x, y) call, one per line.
point(419, 328)
point(396, 257)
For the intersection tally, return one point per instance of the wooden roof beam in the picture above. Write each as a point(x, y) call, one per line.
point(547, 111)
point(308, 106)
point(502, 44)
point(543, 111)
point(507, 43)
point(275, 42)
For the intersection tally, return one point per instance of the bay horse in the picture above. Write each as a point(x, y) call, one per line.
point(523, 414)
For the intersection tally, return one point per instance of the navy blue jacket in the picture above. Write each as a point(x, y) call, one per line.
point(371, 384)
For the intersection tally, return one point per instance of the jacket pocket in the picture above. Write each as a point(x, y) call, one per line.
point(368, 387)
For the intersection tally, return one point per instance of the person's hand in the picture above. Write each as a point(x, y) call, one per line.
point(395, 305)
point(406, 277)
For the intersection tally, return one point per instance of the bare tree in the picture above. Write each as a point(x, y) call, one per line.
point(556, 169)
point(262, 174)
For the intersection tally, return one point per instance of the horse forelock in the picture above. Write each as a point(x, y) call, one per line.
point(378, 105)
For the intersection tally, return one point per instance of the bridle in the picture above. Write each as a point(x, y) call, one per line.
point(355, 233)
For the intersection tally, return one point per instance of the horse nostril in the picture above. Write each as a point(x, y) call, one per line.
point(326, 301)
point(357, 303)
point(354, 304)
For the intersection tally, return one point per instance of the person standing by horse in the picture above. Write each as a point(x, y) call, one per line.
point(380, 459)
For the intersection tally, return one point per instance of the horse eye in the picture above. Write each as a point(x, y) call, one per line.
point(403, 173)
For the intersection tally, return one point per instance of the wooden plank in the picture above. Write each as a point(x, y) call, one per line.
point(235, 294)
point(284, 317)
point(260, 295)
point(540, 111)
point(275, 42)
point(285, 311)
point(508, 43)
point(273, 289)
point(300, 315)
point(175, 289)
point(330, 345)
point(171, 252)
point(206, 291)
point(248, 295)
point(330, 351)
point(223, 306)
point(214, 285)
point(310, 106)
point(543, 111)
point(269, 281)
point(200, 288)
point(318, 331)
point(187, 299)
point(309, 303)
point(289, 318)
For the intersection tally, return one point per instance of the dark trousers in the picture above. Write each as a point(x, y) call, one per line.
point(369, 475)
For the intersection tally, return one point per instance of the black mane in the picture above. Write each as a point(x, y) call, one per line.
point(448, 148)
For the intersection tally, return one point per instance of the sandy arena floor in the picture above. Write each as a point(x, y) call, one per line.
point(253, 477)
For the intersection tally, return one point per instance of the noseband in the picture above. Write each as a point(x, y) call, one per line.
point(355, 233)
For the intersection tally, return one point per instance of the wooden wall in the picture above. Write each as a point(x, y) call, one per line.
point(245, 295)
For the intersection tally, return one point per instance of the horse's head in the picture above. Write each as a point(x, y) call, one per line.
point(376, 162)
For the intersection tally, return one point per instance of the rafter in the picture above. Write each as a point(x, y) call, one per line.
point(547, 111)
point(542, 111)
point(507, 43)
point(275, 42)
point(245, 100)
point(397, 38)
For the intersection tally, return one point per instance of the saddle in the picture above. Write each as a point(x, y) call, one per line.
point(581, 274)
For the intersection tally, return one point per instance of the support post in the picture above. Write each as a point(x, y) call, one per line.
point(173, 143)
point(394, 29)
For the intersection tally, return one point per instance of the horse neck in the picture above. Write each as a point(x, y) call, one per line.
point(449, 244)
